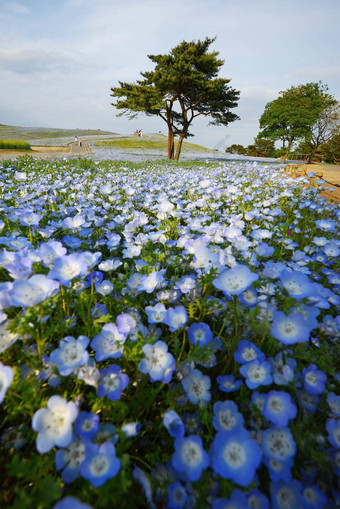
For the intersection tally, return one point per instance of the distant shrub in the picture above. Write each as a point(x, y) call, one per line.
point(14, 144)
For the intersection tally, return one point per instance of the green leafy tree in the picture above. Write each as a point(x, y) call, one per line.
point(236, 149)
point(262, 147)
point(330, 151)
point(291, 116)
point(182, 86)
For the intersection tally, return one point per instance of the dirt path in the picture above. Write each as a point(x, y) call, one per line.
point(45, 152)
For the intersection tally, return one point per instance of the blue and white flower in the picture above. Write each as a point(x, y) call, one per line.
point(197, 387)
point(157, 362)
point(100, 464)
point(236, 280)
point(314, 379)
point(278, 408)
point(6, 378)
point(112, 382)
point(278, 444)
point(289, 329)
point(109, 343)
point(226, 416)
point(247, 352)
point(70, 354)
point(69, 460)
point(54, 423)
point(200, 334)
point(174, 424)
point(235, 456)
point(257, 373)
point(189, 457)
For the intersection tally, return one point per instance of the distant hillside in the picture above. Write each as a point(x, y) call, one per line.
point(10, 132)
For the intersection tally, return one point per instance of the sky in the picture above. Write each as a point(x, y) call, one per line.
point(60, 58)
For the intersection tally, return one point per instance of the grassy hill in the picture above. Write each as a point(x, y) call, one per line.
point(147, 142)
point(10, 132)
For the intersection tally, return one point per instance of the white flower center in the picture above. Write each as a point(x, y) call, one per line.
point(72, 353)
point(75, 454)
point(111, 382)
point(256, 374)
point(311, 378)
point(294, 287)
point(227, 419)
point(71, 270)
point(191, 454)
point(234, 455)
point(288, 329)
point(99, 465)
point(56, 422)
point(286, 498)
point(279, 444)
point(248, 354)
point(275, 404)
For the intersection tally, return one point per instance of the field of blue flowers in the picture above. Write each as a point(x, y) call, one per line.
point(169, 337)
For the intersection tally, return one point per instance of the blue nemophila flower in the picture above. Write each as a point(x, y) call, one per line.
point(227, 383)
point(264, 250)
point(289, 329)
point(326, 224)
point(98, 310)
point(177, 496)
point(100, 463)
point(112, 382)
point(152, 281)
point(257, 500)
point(279, 470)
point(131, 429)
point(197, 387)
point(308, 401)
point(314, 379)
point(278, 444)
point(86, 425)
point(286, 495)
point(333, 428)
point(156, 313)
point(257, 373)
point(157, 362)
point(69, 460)
point(32, 291)
point(278, 408)
point(71, 241)
point(174, 424)
point(51, 250)
point(71, 502)
point(109, 343)
point(54, 423)
point(106, 433)
point(200, 334)
point(334, 403)
point(67, 267)
point(297, 284)
point(126, 324)
point(247, 352)
point(70, 354)
point(238, 500)
point(235, 456)
point(313, 498)
point(226, 416)
point(144, 481)
point(189, 457)
point(72, 223)
point(176, 318)
point(6, 377)
point(105, 287)
point(249, 297)
point(236, 280)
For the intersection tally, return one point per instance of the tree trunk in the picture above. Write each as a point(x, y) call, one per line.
point(171, 148)
point(179, 146)
point(286, 154)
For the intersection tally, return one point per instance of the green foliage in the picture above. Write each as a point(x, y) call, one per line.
point(187, 78)
point(236, 149)
point(14, 145)
point(261, 148)
point(291, 116)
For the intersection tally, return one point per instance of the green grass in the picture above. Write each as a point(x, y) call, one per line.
point(14, 144)
point(37, 133)
point(146, 143)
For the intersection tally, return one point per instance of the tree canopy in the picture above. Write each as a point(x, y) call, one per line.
point(292, 116)
point(183, 85)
